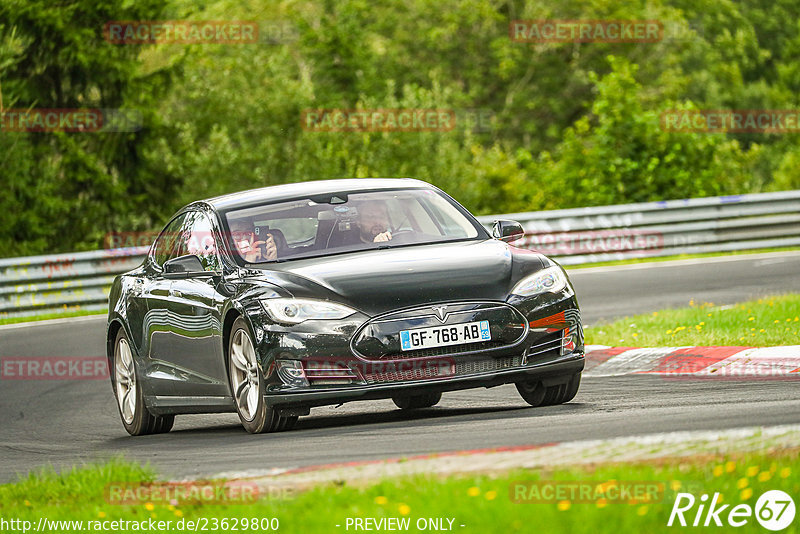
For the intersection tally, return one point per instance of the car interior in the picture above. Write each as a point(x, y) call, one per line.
point(321, 224)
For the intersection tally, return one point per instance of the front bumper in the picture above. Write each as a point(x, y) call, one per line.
point(548, 347)
point(549, 373)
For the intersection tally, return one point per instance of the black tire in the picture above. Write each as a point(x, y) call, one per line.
point(141, 422)
point(536, 394)
point(415, 402)
point(532, 392)
point(264, 419)
point(286, 423)
point(563, 392)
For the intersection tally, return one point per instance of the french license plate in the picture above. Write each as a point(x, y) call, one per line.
point(440, 336)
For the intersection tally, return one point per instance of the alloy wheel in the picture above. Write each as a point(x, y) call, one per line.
point(244, 374)
point(125, 380)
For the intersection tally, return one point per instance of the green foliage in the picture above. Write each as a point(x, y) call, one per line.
point(787, 175)
point(573, 124)
point(619, 151)
point(67, 189)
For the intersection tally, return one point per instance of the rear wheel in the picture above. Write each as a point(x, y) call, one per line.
point(138, 421)
point(247, 385)
point(415, 402)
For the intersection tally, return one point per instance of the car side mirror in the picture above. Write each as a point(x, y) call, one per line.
point(507, 231)
point(188, 266)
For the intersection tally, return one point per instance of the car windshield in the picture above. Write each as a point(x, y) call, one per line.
point(333, 224)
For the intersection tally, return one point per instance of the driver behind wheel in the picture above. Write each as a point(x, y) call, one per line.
point(373, 221)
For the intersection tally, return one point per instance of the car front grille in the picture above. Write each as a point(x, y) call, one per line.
point(460, 368)
point(443, 351)
point(379, 339)
point(487, 365)
point(547, 346)
point(422, 373)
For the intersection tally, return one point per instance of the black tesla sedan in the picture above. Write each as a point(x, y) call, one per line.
point(272, 301)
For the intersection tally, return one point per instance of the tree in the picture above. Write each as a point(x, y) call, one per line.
point(620, 151)
point(68, 189)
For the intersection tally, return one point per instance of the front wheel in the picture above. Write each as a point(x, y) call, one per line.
point(136, 419)
point(247, 385)
point(537, 394)
point(415, 402)
point(532, 392)
point(563, 392)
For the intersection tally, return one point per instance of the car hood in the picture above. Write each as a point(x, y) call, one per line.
point(379, 281)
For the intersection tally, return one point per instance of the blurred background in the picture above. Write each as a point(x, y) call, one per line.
point(543, 125)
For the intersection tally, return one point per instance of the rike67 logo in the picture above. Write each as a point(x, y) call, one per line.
point(774, 510)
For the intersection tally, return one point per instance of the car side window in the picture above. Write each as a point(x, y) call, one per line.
point(165, 245)
point(197, 237)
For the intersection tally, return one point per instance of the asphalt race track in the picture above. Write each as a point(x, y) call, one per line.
point(66, 422)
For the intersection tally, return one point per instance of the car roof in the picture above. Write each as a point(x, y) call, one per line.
point(278, 193)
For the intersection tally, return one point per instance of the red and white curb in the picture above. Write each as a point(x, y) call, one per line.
point(701, 362)
point(583, 452)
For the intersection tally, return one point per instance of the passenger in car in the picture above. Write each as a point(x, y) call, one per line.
point(282, 247)
point(244, 237)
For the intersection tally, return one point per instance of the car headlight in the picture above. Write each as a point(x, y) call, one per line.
point(550, 280)
point(295, 311)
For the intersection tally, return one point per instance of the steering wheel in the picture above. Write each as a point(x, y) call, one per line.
point(402, 235)
point(394, 229)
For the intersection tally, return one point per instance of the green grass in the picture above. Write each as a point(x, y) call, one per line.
point(54, 315)
point(765, 322)
point(680, 257)
point(482, 503)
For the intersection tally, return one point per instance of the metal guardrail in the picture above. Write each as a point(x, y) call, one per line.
point(665, 228)
point(45, 284)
